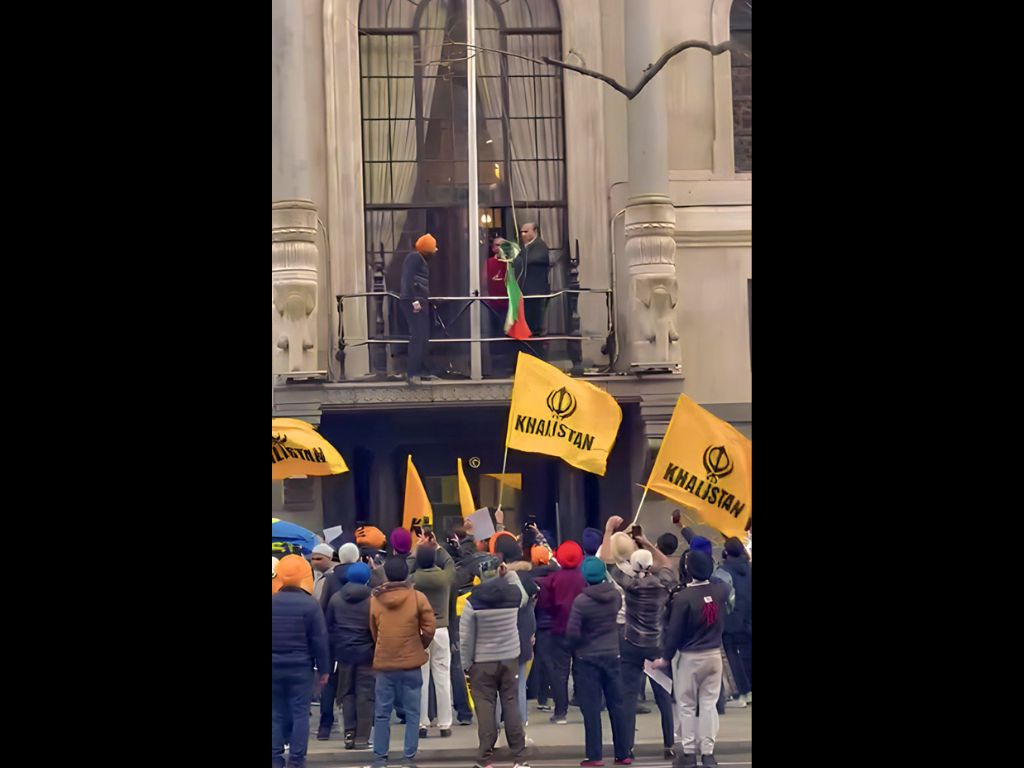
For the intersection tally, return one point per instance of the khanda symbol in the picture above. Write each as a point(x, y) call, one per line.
point(717, 462)
point(561, 403)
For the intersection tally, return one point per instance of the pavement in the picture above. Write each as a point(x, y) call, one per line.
point(552, 745)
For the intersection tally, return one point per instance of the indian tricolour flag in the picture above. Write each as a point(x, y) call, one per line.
point(515, 317)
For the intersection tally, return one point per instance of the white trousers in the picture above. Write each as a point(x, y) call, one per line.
point(439, 661)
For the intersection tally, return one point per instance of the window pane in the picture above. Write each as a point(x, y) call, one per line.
point(403, 139)
point(524, 139)
point(375, 140)
point(549, 139)
point(400, 55)
point(437, 140)
point(490, 140)
point(524, 180)
point(535, 97)
point(530, 13)
point(524, 46)
point(387, 97)
point(551, 181)
point(491, 97)
point(377, 182)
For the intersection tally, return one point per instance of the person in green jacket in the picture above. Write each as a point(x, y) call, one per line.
point(436, 584)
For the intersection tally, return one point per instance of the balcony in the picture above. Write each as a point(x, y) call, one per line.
point(460, 351)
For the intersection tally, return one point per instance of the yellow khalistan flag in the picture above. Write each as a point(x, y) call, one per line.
point(555, 414)
point(704, 464)
point(417, 506)
point(298, 450)
point(466, 505)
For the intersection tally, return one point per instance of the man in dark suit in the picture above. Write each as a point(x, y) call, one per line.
point(531, 266)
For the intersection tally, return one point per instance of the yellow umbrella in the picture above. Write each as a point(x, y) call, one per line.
point(300, 451)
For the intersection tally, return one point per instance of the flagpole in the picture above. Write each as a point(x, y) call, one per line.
point(501, 483)
point(641, 505)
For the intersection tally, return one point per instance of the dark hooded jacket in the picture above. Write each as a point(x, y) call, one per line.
point(592, 628)
point(739, 621)
point(348, 624)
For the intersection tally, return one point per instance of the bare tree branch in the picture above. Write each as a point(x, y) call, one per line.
point(629, 93)
point(652, 70)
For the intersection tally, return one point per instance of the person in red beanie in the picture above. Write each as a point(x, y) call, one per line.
point(558, 591)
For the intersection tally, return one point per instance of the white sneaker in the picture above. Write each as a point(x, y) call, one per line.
point(521, 765)
point(736, 704)
point(748, 699)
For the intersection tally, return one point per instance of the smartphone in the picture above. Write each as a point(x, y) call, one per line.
point(636, 531)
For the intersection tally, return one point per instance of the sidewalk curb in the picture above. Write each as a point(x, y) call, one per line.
point(536, 752)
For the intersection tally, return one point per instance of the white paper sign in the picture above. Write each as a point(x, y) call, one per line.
point(658, 676)
point(330, 534)
point(483, 526)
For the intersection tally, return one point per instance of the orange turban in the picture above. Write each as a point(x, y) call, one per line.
point(294, 571)
point(426, 244)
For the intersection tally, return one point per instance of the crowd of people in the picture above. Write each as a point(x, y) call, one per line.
point(437, 632)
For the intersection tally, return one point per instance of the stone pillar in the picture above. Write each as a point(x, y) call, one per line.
point(294, 253)
point(650, 217)
point(295, 281)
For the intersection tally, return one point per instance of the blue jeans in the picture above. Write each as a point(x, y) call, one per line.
point(292, 693)
point(400, 686)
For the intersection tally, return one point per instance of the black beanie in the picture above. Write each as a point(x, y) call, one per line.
point(699, 565)
point(668, 543)
point(734, 547)
point(426, 556)
point(396, 569)
point(508, 548)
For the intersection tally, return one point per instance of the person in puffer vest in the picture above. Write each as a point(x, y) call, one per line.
point(299, 643)
point(489, 629)
point(592, 632)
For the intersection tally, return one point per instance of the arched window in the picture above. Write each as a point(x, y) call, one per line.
point(740, 32)
point(416, 157)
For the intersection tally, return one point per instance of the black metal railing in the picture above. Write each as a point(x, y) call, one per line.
point(382, 321)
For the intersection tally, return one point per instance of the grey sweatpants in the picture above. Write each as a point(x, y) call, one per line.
point(697, 677)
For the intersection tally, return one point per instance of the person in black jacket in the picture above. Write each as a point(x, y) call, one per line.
point(647, 583)
point(463, 550)
point(348, 624)
point(737, 638)
point(542, 672)
point(332, 583)
point(415, 307)
point(299, 643)
point(695, 631)
point(531, 269)
point(592, 631)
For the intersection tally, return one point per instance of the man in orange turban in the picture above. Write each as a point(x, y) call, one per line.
point(415, 307)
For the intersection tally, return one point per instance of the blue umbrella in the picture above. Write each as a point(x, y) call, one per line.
point(286, 537)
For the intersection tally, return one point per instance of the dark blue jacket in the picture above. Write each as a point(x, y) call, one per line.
point(298, 631)
point(348, 624)
point(739, 621)
point(333, 582)
point(415, 277)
